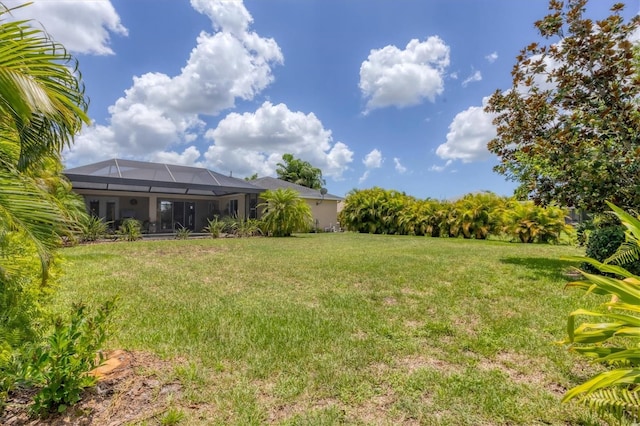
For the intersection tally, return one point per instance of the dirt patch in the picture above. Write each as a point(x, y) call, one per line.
point(521, 369)
point(129, 390)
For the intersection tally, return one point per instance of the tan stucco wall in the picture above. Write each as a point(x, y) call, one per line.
point(325, 214)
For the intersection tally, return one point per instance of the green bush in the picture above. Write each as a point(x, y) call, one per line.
point(60, 365)
point(92, 228)
point(182, 233)
point(130, 230)
point(609, 335)
point(285, 213)
point(214, 227)
point(604, 243)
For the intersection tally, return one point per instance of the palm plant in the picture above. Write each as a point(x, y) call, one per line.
point(480, 214)
point(610, 337)
point(530, 223)
point(285, 212)
point(214, 227)
point(42, 106)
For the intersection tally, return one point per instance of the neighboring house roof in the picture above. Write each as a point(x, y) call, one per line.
point(309, 193)
point(139, 176)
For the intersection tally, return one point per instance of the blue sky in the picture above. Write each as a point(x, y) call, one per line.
point(382, 93)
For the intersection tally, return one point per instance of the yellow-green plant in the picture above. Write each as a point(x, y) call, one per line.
point(130, 230)
point(214, 227)
point(285, 212)
point(610, 335)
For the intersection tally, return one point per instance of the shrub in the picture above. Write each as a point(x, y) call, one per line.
point(285, 213)
point(130, 230)
point(214, 227)
point(530, 223)
point(92, 228)
point(610, 336)
point(182, 233)
point(248, 227)
point(70, 352)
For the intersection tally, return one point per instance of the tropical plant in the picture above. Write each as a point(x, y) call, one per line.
point(92, 228)
point(299, 172)
point(62, 362)
point(182, 233)
point(530, 223)
point(377, 211)
point(42, 105)
point(480, 214)
point(610, 336)
point(130, 230)
point(248, 227)
point(214, 227)
point(284, 213)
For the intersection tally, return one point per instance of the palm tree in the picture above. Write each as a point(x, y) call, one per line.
point(299, 172)
point(285, 212)
point(42, 106)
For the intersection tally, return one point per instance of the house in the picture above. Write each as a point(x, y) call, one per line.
point(324, 206)
point(163, 197)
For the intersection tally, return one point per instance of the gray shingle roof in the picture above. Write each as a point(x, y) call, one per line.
point(273, 183)
point(139, 176)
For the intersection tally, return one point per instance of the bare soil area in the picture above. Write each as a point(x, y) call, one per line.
point(130, 390)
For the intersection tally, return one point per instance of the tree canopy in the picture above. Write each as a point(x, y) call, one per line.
point(299, 172)
point(568, 128)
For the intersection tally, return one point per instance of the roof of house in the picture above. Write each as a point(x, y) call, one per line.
point(309, 193)
point(139, 176)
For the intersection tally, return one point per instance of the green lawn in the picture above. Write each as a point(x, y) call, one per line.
point(345, 328)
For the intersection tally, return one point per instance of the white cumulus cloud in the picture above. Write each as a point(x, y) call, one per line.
point(373, 160)
point(394, 77)
point(468, 135)
point(255, 142)
point(81, 26)
point(492, 57)
point(398, 165)
point(159, 114)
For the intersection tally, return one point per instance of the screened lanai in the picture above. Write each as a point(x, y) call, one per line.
point(163, 197)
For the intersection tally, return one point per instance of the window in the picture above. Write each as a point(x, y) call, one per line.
point(233, 208)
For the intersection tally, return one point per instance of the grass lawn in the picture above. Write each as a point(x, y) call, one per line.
point(345, 328)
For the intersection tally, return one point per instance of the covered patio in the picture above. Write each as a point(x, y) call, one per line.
point(162, 197)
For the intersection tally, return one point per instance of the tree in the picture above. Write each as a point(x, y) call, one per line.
point(285, 212)
point(300, 172)
point(42, 106)
point(568, 129)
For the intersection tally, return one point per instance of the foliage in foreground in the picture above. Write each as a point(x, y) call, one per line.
point(58, 365)
point(380, 211)
point(285, 212)
point(610, 335)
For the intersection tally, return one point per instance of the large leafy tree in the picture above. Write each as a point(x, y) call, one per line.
point(568, 129)
point(299, 172)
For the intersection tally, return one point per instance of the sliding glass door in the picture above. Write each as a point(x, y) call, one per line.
point(177, 214)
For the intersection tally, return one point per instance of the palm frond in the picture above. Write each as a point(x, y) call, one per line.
point(619, 403)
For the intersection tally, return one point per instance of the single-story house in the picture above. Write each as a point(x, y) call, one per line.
point(324, 206)
point(164, 197)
